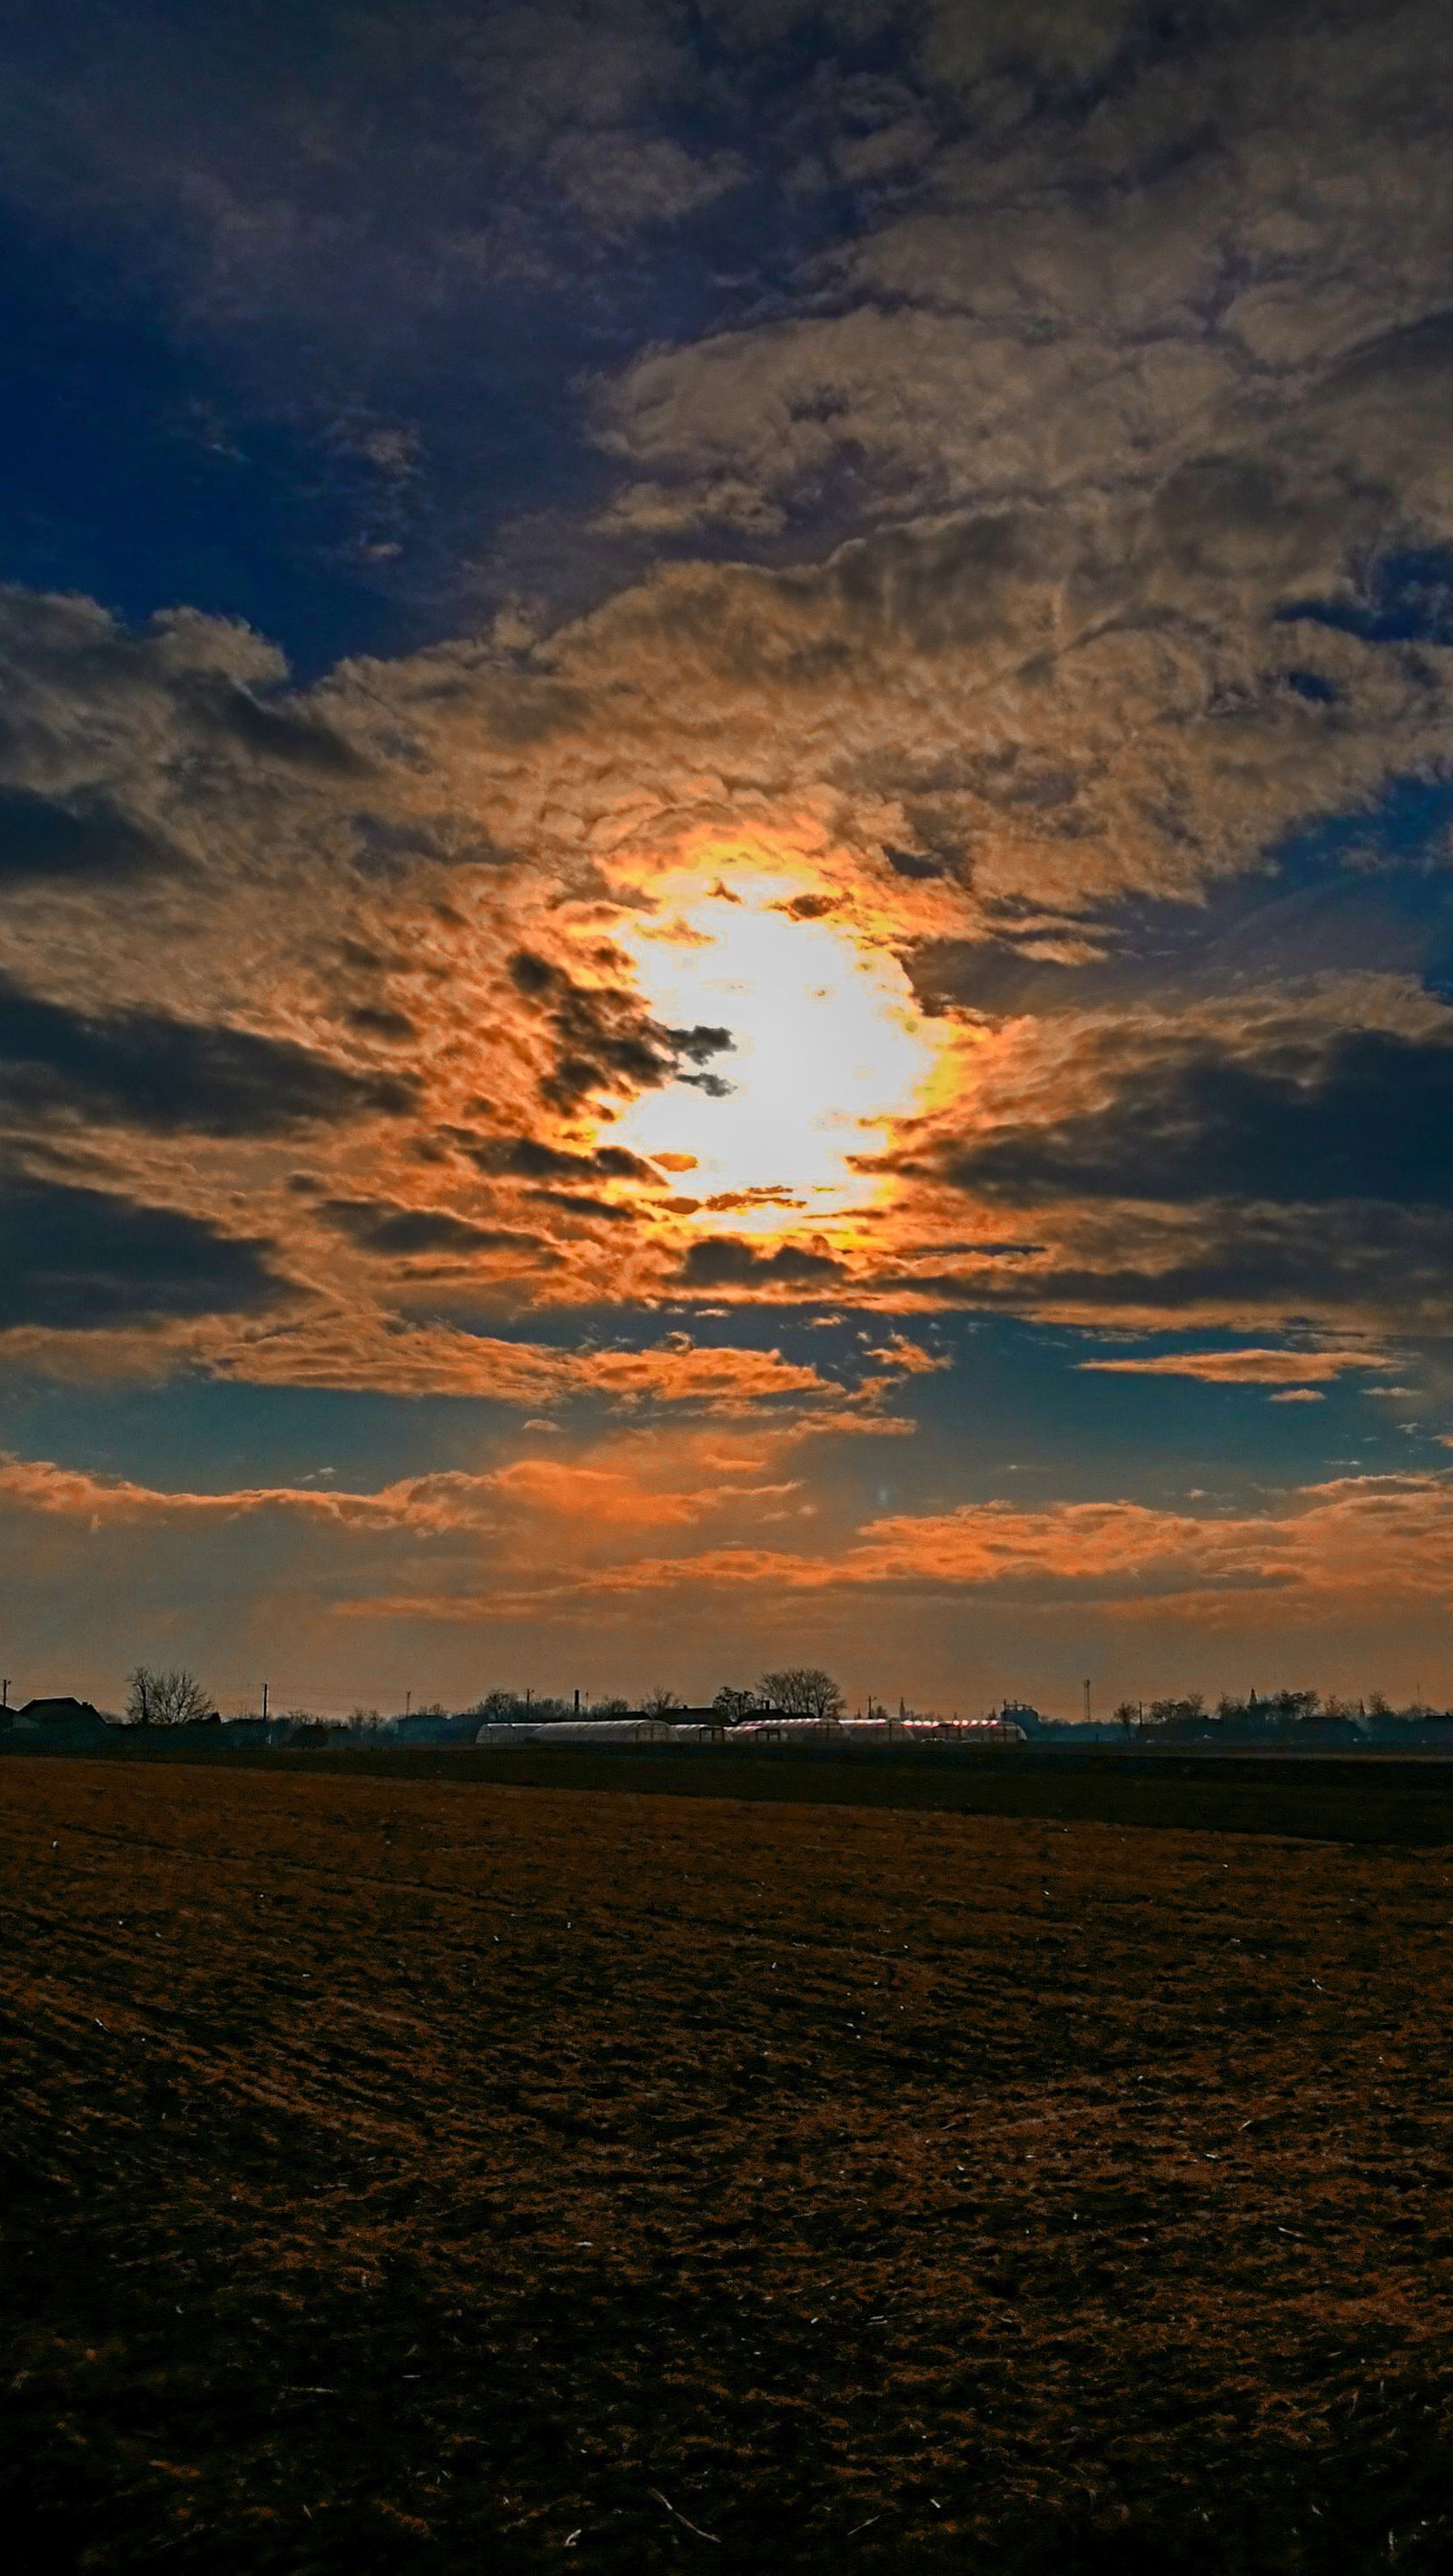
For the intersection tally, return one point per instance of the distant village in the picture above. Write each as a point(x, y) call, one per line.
point(798, 1704)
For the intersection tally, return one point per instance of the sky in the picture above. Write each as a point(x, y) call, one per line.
point(726, 796)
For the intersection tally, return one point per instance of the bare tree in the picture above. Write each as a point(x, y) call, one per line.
point(801, 1690)
point(1177, 1712)
point(499, 1704)
point(733, 1705)
point(660, 1703)
point(165, 1698)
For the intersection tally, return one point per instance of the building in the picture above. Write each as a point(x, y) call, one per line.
point(430, 1729)
point(601, 1731)
point(54, 1726)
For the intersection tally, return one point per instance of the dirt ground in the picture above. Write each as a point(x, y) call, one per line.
point(408, 2176)
point(1350, 1798)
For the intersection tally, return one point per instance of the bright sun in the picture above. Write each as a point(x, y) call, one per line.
point(827, 1048)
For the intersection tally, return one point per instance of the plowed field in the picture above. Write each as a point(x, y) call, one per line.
point(412, 2176)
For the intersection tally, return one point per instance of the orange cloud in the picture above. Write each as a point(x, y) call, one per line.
point(605, 1500)
point(1379, 1538)
point(421, 1504)
point(1243, 1368)
point(695, 1535)
point(675, 1371)
point(908, 1357)
point(355, 1347)
point(613, 1500)
point(1350, 1547)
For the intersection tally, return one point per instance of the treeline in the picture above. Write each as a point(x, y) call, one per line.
point(176, 1697)
point(1281, 1708)
point(796, 1690)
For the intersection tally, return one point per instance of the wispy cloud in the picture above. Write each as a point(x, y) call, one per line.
point(1245, 1367)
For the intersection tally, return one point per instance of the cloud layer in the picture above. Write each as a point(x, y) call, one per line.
point(583, 1550)
point(952, 506)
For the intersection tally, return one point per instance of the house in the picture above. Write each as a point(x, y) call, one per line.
point(598, 1732)
point(429, 1728)
point(54, 1726)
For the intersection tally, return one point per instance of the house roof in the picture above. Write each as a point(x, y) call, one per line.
point(56, 1712)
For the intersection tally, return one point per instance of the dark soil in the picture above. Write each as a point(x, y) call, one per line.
point(1358, 1798)
point(400, 2174)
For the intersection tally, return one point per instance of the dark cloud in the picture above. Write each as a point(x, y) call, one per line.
point(606, 1041)
point(576, 1203)
point(376, 1020)
point(77, 1260)
point(140, 1069)
point(1364, 1115)
point(725, 1261)
point(1368, 893)
point(381, 1227)
point(1357, 1268)
point(48, 837)
point(1402, 597)
point(285, 734)
point(391, 843)
point(1370, 1263)
point(528, 1158)
point(335, 224)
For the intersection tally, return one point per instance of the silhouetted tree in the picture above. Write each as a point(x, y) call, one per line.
point(165, 1698)
point(733, 1705)
point(801, 1690)
point(504, 1704)
point(1294, 1707)
point(1177, 1712)
point(660, 1703)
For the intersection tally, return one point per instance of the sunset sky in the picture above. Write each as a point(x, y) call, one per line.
point(726, 775)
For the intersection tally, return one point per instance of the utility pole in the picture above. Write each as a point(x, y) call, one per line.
point(4, 1694)
point(408, 1701)
point(1087, 1703)
point(264, 1703)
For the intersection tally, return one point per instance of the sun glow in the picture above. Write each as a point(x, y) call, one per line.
point(827, 1049)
